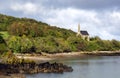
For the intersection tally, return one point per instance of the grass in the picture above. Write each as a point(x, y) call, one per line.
point(4, 34)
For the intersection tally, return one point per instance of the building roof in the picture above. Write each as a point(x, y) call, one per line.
point(84, 32)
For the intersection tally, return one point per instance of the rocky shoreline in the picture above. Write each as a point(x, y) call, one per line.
point(31, 68)
point(49, 57)
point(103, 53)
point(18, 70)
point(12, 76)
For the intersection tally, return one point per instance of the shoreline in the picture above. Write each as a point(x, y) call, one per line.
point(49, 57)
point(12, 76)
point(45, 57)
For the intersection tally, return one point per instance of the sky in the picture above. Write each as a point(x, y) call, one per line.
point(99, 17)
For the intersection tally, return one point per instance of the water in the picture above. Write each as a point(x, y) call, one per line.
point(90, 67)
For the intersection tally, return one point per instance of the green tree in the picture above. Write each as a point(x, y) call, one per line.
point(115, 44)
point(20, 44)
point(92, 46)
point(3, 46)
point(14, 44)
point(77, 43)
point(26, 44)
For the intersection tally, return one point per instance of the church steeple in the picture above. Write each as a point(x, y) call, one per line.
point(78, 33)
point(78, 27)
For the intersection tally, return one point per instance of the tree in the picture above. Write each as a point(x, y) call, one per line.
point(21, 28)
point(77, 43)
point(116, 44)
point(92, 46)
point(26, 44)
point(3, 46)
point(14, 44)
point(20, 44)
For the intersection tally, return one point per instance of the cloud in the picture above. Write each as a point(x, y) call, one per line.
point(98, 17)
point(83, 4)
point(105, 24)
point(27, 8)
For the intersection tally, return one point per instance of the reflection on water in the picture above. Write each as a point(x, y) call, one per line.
point(89, 67)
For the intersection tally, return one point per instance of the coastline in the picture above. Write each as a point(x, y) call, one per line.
point(49, 57)
point(45, 57)
point(12, 76)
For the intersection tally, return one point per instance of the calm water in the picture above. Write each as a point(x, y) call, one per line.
point(90, 67)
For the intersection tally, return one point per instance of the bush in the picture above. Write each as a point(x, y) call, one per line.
point(3, 46)
point(62, 45)
point(51, 45)
point(92, 46)
point(10, 58)
point(26, 44)
point(20, 44)
point(115, 44)
point(45, 44)
point(77, 43)
point(14, 44)
point(1, 39)
point(21, 28)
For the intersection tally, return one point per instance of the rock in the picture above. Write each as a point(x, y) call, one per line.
point(31, 68)
point(13, 76)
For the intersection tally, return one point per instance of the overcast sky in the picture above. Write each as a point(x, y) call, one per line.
point(99, 17)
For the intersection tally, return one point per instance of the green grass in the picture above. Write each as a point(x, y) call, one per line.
point(4, 34)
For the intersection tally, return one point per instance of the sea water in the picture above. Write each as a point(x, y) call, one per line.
point(88, 67)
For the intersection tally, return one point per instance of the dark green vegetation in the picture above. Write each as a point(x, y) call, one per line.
point(25, 35)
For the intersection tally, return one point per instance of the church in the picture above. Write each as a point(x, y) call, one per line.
point(84, 34)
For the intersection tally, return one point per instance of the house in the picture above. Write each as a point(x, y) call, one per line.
point(83, 34)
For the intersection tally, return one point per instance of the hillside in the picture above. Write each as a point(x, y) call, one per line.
point(21, 35)
point(31, 27)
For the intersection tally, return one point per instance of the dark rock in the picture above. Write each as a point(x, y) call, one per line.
point(13, 76)
point(31, 68)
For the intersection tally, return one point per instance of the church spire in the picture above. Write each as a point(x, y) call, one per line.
point(78, 33)
point(79, 28)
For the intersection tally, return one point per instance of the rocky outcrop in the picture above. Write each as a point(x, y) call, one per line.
point(31, 68)
point(12, 76)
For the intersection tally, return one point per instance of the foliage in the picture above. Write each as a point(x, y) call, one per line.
point(50, 44)
point(77, 43)
point(28, 35)
point(4, 34)
point(5, 21)
point(10, 58)
point(3, 46)
point(14, 44)
point(93, 46)
point(20, 44)
point(115, 44)
point(25, 28)
point(1, 39)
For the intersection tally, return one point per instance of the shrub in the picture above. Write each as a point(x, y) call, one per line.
point(3, 46)
point(10, 58)
point(20, 44)
point(92, 46)
point(26, 44)
point(115, 44)
point(21, 28)
point(77, 43)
